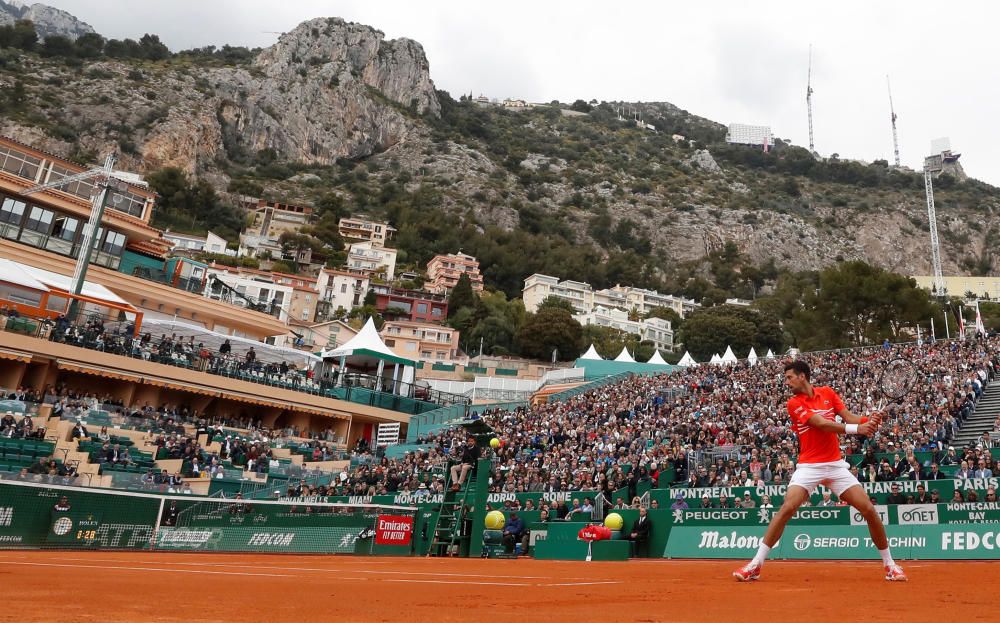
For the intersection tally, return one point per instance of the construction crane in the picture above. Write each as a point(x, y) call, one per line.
point(809, 100)
point(104, 180)
point(939, 288)
point(892, 112)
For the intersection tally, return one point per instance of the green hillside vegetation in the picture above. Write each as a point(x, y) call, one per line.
point(585, 197)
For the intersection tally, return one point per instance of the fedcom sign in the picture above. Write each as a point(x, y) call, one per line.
point(970, 541)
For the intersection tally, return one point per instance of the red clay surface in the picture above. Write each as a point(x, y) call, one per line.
point(81, 587)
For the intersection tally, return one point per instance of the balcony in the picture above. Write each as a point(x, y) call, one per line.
point(354, 388)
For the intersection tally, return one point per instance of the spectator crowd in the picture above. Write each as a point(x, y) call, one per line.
point(716, 426)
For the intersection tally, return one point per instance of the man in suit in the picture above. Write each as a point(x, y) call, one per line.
point(964, 471)
point(983, 470)
point(640, 533)
point(935, 473)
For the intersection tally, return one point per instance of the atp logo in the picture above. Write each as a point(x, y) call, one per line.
point(348, 540)
point(678, 515)
point(764, 515)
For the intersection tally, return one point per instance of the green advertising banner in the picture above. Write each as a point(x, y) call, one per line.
point(496, 500)
point(912, 542)
point(306, 540)
point(878, 490)
point(29, 518)
point(825, 515)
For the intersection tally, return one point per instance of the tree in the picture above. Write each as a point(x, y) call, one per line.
point(20, 35)
point(461, 295)
point(709, 331)
point(89, 45)
point(152, 48)
point(849, 304)
point(363, 313)
point(581, 106)
point(191, 206)
point(496, 323)
point(555, 302)
point(607, 341)
point(57, 45)
point(550, 329)
point(295, 241)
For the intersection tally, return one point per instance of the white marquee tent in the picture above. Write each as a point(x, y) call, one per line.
point(625, 356)
point(687, 360)
point(657, 359)
point(730, 356)
point(366, 352)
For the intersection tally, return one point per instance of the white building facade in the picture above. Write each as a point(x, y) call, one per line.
point(340, 289)
point(371, 258)
point(655, 330)
point(538, 287)
point(257, 289)
point(584, 299)
point(209, 243)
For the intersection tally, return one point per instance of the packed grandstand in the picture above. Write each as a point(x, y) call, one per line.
point(699, 427)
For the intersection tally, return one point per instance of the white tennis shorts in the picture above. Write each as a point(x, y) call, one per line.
point(835, 475)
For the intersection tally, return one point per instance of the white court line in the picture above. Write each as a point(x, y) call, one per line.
point(324, 569)
point(476, 583)
point(583, 583)
point(55, 564)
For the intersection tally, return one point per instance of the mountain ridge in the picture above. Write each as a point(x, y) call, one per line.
point(584, 195)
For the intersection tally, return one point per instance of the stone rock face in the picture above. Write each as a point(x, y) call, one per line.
point(187, 139)
point(48, 20)
point(327, 89)
point(704, 160)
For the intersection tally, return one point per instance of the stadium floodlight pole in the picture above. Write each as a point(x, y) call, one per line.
point(98, 201)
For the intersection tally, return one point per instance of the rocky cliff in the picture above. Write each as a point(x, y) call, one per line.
point(48, 20)
point(360, 116)
point(328, 89)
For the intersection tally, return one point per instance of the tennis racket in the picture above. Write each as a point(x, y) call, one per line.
point(897, 379)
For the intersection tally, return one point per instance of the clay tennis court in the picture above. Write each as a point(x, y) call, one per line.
point(102, 586)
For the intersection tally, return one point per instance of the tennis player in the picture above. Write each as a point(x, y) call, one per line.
point(813, 411)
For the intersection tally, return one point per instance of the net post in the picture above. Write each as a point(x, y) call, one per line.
point(156, 525)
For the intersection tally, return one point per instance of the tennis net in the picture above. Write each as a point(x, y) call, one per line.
point(38, 515)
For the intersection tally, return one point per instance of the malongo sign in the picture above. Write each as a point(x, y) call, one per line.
point(908, 542)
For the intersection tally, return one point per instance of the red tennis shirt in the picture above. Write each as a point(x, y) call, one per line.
point(816, 446)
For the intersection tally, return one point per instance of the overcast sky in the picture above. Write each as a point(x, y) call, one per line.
point(728, 61)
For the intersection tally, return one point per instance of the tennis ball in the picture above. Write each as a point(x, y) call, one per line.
point(494, 443)
point(614, 521)
point(495, 520)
